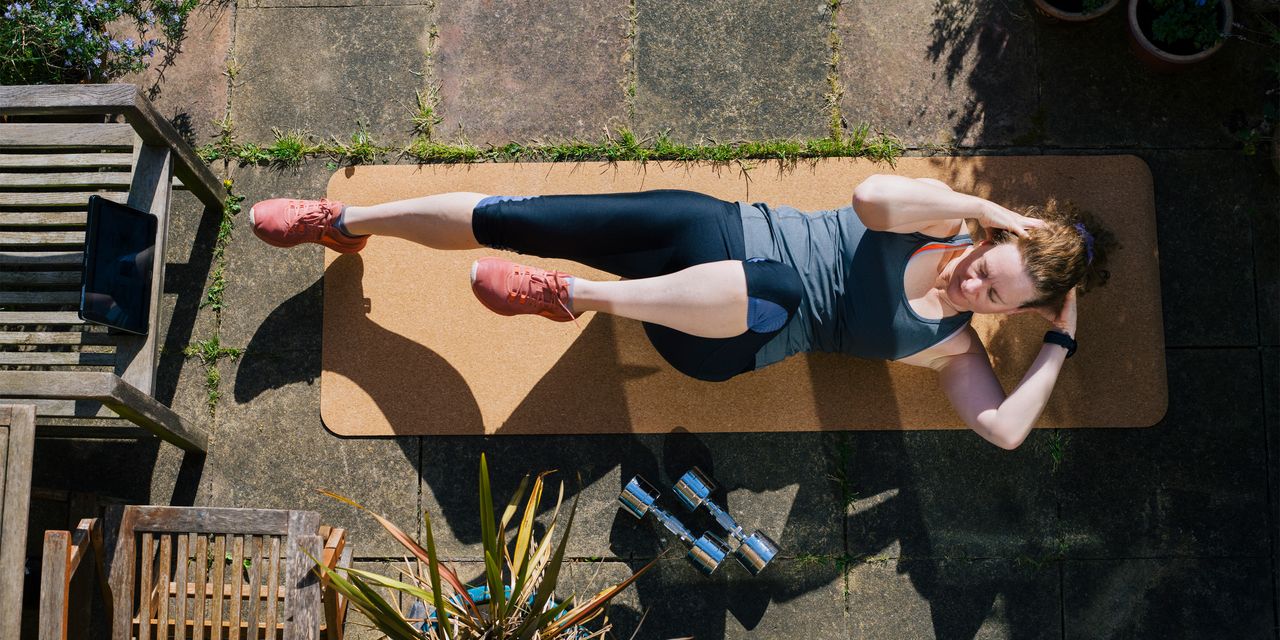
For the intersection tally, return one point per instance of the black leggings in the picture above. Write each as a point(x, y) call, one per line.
point(642, 235)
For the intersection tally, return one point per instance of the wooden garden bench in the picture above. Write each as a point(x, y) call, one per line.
point(199, 573)
point(72, 371)
point(17, 435)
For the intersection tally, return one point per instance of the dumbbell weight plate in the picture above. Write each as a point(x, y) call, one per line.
point(756, 552)
point(637, 497)
point(708, 552)
point(693, 488)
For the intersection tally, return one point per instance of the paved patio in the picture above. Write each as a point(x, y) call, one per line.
point(1171, 531)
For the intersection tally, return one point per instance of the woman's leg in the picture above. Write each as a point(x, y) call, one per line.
point(441, 221)
point(706, 300)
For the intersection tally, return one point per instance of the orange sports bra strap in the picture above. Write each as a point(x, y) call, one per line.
point(940, 245)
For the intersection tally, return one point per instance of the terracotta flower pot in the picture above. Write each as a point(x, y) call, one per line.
point(1140, 17)
point(1072, 10)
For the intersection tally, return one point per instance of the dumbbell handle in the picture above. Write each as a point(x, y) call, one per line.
point(672, 524)
point(725, 520)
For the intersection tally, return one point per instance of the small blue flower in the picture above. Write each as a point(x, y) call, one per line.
point(115, 46)
point(97, 62)
point(128, 43)
point(149, 16)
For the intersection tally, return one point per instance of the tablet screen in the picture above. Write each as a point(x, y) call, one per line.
point(116, 285)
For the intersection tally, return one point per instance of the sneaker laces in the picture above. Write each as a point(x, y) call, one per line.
point(541, 286)
point(315, 217)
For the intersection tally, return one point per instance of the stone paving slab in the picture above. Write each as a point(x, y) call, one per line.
point(322, 70)
point(529, 69)
point(271, 451)
point(931, 72)
point(273, 295)
point(787, 600)
point(728, 70)
point(1193, 485)
point(1266, 252)
point(1096, 93)
point(1206, 253)
point(987, 598)
point(189, 87)
point(1168, 598)
point(791, 499)
point(1271, 382)
point(940, 494)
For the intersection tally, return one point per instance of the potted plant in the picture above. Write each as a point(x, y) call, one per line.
point(1075, 10)
point(1172, 34)
point(521, 575)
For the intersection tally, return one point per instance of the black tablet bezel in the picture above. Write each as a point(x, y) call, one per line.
point(97, 206)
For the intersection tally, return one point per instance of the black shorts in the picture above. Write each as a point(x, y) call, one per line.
point(642, 235)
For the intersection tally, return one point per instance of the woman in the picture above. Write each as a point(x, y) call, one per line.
point(724, 288)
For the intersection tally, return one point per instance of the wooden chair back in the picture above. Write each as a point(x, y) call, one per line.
point(17, 437)
point(213, 574)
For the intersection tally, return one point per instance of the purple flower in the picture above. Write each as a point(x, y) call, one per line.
point(97, 62)
point(114, 45)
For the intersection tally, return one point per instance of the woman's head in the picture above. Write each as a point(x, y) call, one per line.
point(1069, 250)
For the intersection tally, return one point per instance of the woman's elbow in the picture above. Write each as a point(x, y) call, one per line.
point(1009, 444)
point(1007, 437)
point(868, 202)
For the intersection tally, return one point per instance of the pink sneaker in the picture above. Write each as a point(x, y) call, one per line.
point(510, 289)
point(284, 222)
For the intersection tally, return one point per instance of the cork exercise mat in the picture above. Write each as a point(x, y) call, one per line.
point(408, 350)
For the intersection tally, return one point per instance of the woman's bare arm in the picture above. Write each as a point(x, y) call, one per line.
point(965, 373)
point(887, 202)
point(974, 391)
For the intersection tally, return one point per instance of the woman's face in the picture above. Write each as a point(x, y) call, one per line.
point(991, 279)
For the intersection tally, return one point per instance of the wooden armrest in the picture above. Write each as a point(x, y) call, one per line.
point(109, 389)
point(126, 99)
point(64, 553)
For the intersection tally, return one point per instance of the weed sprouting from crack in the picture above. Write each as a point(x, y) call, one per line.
point(845, 490)
point(835, 90)
point(209, 352)
point(426, 117)
point(1054, 445)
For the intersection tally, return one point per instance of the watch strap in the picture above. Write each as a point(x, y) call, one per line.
point(1061, 339)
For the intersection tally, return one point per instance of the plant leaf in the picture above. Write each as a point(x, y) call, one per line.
point(519, 557)
point(550, 574)
point(389, 619)
point(434, 569)
point(487, 535)
point(591, 608)
point(412, 545)
point(497, 595)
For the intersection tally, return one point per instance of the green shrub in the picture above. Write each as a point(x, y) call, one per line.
point(67, 41)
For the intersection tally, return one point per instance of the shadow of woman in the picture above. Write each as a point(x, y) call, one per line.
point(422, 386)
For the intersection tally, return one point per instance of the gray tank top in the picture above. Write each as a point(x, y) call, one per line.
point(854, 299)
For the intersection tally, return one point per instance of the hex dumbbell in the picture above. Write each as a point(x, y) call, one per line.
point(754, 551)
point(706, 552)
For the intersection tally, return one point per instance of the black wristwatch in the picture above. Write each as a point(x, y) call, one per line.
point(1062, 340)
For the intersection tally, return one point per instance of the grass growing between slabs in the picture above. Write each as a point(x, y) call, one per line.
point(293, 147)
point(210, 350)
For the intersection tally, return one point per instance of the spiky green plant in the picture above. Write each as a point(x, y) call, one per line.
point(520, 580)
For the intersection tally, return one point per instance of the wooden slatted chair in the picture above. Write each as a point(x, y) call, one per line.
point(75, 373)
point(204, 573)
point(17, 435)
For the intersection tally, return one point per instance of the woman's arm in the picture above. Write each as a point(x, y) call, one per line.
point(896, 203)
point(974, 391)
